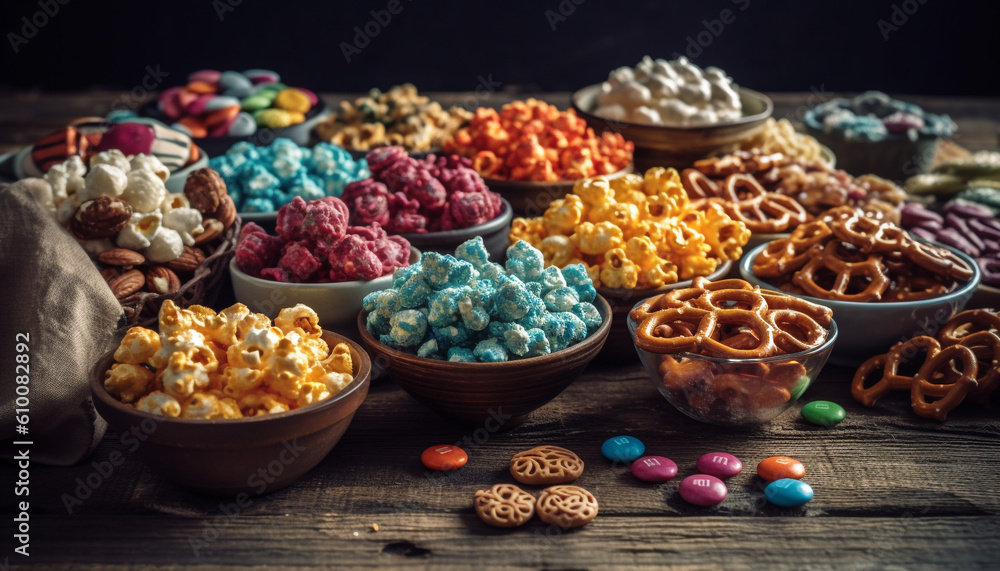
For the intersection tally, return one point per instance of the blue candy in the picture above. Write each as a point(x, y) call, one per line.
point(623, 448)
point(788, 493)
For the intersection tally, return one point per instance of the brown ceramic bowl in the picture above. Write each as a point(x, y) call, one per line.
point(252, 455)
point(488, 394)
point(665, 146)
point(530, 198)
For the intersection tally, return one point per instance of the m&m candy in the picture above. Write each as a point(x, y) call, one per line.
point(654, 469)
point(622, 448)
point(823, 413)
point(778, 467)
point(703, 490)
point(719, 464)
point(788, 493)
point(444, 457)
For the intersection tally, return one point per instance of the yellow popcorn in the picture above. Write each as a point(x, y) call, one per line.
point(185, 373)
point(633, 231)
point(138, 346)
point(128, 382)
point(259, 403)
point(208, 406)
point(300, 317)
point(159, 404)
point(339, 361)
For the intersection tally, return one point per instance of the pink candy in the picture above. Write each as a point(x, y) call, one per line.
point(719, 464)
point(703, 490)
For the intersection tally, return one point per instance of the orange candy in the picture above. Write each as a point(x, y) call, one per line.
point(198, 130)
point(444, 457)
point(201, 87)
point(778, 467)
point(534, 141)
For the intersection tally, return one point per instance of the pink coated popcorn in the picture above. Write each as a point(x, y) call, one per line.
point(326, 219)
point(368, 202)
point(383, 157)
point(256, 250)
point(276, 274)
point(414, 179)
point(405, 218)
point(290, 217)
point(392, 251)
point(350, 259)
point(299, 262)
point(470, 208)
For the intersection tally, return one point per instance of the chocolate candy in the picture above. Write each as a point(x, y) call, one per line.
point(788, 492)
point(823, 413)
point(622, 448)
point(703, 490)
point(444, 457)
point(719, 464)
point(654, 469)
point(779, 467)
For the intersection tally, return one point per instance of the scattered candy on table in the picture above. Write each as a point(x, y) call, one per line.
point(703, 490)
point(874, 116)
point(444, 457)
point(824, 413)
point(406, 195)
point(263, 179)
point(533, 141)
point(623, 448)
point(674, 93)
point(230, 103)
point(546, 465)
point(465, 308)
point(719, 464)
point(788, 492)
point(654, 469)
point(778, 467)
point(397, 117)
point(633, 231)
point(230, 364)
point(315, 243)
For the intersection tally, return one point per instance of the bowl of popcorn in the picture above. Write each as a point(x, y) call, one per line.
point(637, 235)
point(875, 133)
point(532, 153)
point(730, 353)
point(399, 117)
point(231, 402)
point(674, 111)
point(150, 244)
point(222, 108)
point(472, 339)
point(883, 285)
point(262, 179)
point(317, 258)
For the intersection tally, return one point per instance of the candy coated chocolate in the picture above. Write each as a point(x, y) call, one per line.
point(778, 467)
point(622, 448)
point(703, 490)
point(129, 138)
point(654, 469)
point(444, 457)
point(206, 75)
point(788, 493)
point(719, 464)
point(243, 125)
point(823, 413)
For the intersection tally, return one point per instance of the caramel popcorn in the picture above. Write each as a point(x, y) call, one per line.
point(230, 364)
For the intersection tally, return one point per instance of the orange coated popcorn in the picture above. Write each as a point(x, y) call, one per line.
point(534, 141)
point(634, 231)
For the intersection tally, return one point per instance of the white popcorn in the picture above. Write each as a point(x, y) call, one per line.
point(145, 191)
point(75, 167)
point(166, 245)
point(96, 246)
point(174, 200)
point(103, 180)
point(186, 222)
point(140, 230)
point(112, 157)
point(64, 179)
point(150, 163)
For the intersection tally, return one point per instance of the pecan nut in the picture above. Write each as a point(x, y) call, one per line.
point(122, 257)
point(188, 261)
point(162, 280)
point(205, 189)
point(127, 283)
point(226, 212)
point(102, 217)
point(213, 229)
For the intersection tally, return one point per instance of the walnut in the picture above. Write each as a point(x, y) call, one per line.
point(102, 217)
point(206, 190)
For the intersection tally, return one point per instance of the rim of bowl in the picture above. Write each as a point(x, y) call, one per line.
point(830, 340)
point(746, 271)
point(490, 226)
point(602, 306)
point(627, 169)
point(618, 292)
point(235, 270)
point(592, 90)
point(363, 376)
point(989, 289)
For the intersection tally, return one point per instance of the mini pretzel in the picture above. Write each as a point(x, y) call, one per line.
point(828, 259)
point(670, 330)
point(732, 299)
point(954, 394)
point(966, 323)
point(819, 313)
point(752, 320)
point(698, 185)
point(795, 331)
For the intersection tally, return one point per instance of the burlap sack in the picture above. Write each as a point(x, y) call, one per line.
point(54, 301)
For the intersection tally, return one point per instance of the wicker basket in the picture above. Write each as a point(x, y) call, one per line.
point(143, 308)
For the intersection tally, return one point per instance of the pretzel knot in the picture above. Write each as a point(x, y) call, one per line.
point(707, 334)
point(870, 272)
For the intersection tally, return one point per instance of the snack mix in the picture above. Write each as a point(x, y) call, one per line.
point(780, 137)
point(398, 117)
point(533, 141)
point(230, 364)
point(957, 364)
point(874, 116)
point(674, 93)
point(229, 103)
point(263, 179)
point(633, 231)
point(465, 308)
point(315, 243)
point(407, 195)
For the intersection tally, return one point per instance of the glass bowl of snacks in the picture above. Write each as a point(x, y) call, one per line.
point(729, 353)
point(216, 397)
point(532, 153)
point(674, 111)
point(474, 340)
point(882, 284)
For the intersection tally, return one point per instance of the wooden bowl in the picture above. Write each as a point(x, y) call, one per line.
point(224, 457)
point(664, 146)
point(475, 393)
point(531, 199)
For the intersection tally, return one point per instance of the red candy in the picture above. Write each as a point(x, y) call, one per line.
point(444, 457)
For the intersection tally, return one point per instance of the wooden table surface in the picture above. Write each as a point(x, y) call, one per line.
point(893, 491)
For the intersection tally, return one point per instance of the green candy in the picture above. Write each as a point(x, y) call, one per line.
point(257, 102)
point(823, 413)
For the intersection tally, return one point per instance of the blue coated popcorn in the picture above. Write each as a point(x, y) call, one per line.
point(552, 279)
point(474, 252)
point(408, 328)
point(263, 179)
point(450, 336)
point(525, 262)
point(429, 350)
point(490, 351)
point(461, 355)
point(561, 299)
point(588, 314)
point(442, 271)
point(576, 277)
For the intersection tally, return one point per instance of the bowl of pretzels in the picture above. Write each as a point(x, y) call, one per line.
point(883, 284)
point(730, 353)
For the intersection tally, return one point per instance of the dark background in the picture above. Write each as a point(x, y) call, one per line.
point(943, 48)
